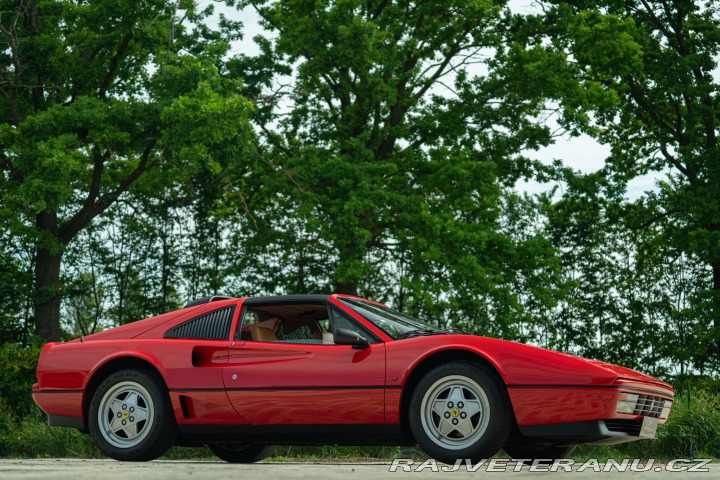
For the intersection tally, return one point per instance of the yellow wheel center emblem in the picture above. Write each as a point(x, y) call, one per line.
point(454, 412)
point(125, 414)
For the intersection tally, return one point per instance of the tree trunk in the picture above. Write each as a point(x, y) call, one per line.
point(715, 349)
point(47, 303)
point(348, 262)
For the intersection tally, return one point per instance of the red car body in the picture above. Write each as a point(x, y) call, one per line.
point(295, 393)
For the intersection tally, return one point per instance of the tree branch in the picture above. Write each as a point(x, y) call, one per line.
point(91, 210)
point(14, 173)
point(114, 63)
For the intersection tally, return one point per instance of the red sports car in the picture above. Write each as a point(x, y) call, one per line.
point(245, 374)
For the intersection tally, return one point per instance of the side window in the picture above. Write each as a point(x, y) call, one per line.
point(249, 318)
point(341, 320)
point(296, 323)
point(214, 325)
point(285, 323)
point(325, 325)
point(252, 321)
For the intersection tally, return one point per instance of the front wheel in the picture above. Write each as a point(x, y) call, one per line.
point(242, 453)
point(130, 417)
point(460, 410)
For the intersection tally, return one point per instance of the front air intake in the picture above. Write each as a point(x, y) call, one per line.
point(630, 427)
point(649, 406)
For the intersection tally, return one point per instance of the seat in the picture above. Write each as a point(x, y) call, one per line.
point(262, 334)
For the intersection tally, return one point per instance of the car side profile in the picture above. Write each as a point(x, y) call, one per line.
point(243, 375)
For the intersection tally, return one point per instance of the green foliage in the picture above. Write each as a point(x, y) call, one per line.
point(387, 173)
point(17, 376)
point(692, 427)
point(96, 96)
point(696, 383)
point(32, 437)
point(639, 76)
point(15, 282)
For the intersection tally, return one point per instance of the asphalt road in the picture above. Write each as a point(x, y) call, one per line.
point(70, 469)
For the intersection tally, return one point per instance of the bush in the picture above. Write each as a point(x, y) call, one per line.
point(17, 377)
point(693, 428)
point(694, 383)
point(31, 436)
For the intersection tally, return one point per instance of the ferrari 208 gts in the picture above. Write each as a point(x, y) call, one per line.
point(243, 375)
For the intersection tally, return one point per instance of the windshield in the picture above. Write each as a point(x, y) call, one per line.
point(395, 324)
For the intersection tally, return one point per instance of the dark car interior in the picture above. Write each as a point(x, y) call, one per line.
point(295, 323)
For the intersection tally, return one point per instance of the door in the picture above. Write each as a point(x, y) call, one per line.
point(284, 369)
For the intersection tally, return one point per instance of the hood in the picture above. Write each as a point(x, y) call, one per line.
point(624, 373)
point(527, 365)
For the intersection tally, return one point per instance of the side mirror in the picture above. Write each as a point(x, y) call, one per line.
point(343, 336)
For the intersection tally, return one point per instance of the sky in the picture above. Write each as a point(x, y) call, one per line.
point(581, 153)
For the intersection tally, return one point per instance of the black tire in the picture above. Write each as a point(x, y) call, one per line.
point(136, 393)
point(232, 453)
point(458, 388)
point(529, 451)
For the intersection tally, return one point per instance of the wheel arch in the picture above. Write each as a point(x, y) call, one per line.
point(110, 366)
point(433, 360)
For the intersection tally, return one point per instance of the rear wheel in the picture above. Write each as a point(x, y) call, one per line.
point(530, 451)
point(460, 411)
point(242, 453)
point(130, 417)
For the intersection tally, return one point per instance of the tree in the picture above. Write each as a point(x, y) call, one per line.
point(640, 76)
point(95, 96)
point(392, 146)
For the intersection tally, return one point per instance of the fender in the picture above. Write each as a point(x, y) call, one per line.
point(453, 347)
point(147, 357)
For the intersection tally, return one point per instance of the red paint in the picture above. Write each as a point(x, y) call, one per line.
point(285, 383)
point(276, 367)
point(65, 404)
point(536, 406)
point(212, 408)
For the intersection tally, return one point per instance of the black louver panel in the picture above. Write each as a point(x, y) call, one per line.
point(211, 326)
point(649, 406)
point(631, 427)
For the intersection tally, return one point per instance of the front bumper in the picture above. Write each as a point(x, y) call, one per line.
point(599, 432)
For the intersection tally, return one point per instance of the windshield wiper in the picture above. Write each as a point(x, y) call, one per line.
point(454, 330)
point(423, 332)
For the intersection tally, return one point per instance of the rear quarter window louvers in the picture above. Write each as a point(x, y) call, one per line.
point(211, 326)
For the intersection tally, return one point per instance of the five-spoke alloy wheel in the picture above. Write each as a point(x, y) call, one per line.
point(130, 416)
point(125, 414)
point(460, 411)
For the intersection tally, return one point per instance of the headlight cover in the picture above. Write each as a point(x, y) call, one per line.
point(627, 402)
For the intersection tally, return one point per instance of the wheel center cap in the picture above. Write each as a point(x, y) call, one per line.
point(454, 412)
point(125, 414)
